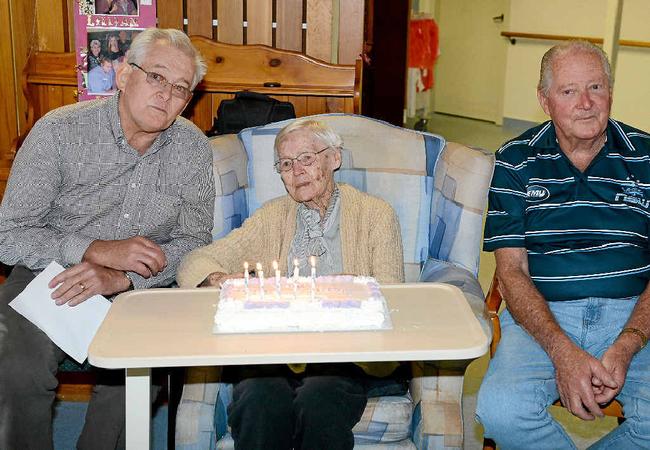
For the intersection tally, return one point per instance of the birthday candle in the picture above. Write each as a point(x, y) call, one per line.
point(312, 262)
point(246, 273)
point(277, 274)
point(260, 274)
point(296, 269)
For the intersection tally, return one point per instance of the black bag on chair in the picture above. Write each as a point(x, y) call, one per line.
point(249, 109)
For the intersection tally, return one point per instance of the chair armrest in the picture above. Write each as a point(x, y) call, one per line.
point(436, 271)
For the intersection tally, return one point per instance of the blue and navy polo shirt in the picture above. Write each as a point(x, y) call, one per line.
point(586, 233)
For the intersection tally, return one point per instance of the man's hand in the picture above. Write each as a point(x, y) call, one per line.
point(616, 360)
point(80, 282)
point(577, 373)
point(137, 254)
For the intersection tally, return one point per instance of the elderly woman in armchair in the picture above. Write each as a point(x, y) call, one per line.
point(311, 406)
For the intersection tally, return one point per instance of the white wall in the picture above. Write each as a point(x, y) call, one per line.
point(578, 18)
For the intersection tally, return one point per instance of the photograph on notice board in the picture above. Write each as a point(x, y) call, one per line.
point(104, 31)
point(106, 51)
point(117, 7)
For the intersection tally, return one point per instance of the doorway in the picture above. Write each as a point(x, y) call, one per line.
point(470, 70)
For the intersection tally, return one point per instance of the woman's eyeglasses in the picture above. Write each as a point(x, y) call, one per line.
point(305, 159)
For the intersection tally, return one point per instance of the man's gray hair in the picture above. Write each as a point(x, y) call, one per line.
point(174, 38)
point(321, 131)
point(559, 50)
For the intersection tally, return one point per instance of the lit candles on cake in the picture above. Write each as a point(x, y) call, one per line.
point(312, 262)
point(260, 274)
point(276, 272)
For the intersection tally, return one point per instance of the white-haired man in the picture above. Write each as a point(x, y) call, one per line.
point(117, 191)
point(568, 221)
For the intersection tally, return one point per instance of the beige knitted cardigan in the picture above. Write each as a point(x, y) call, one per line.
point(371, 245)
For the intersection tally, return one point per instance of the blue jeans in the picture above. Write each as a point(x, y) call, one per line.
point(520, 383)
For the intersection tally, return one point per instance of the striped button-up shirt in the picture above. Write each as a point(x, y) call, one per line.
point(585, 233)
point(76, 180)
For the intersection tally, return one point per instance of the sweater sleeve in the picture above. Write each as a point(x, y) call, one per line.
point(249, 242)
point(386, 251)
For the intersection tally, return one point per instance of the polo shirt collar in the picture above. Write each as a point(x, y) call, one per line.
point(545, 137)
point(617, 139)
point(112, 105)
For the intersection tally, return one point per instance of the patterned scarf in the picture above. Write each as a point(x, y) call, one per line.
point(312, 235)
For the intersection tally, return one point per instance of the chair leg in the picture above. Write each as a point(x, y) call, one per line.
point(489, 444)
point(175, 378)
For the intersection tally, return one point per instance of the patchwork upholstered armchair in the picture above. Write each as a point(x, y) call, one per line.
point(439, 191)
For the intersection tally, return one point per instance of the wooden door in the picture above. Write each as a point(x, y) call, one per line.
point(470, 70)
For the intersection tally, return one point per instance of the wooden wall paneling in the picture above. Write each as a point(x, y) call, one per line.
point(259, 15)
point(230, 17)
point(23, 26)
point(348, 106)
point(319, 29)
point(316, 105)
point(54, 97)
point(288, 31)
point(170, 14)
point(335, 104)
point(350, 31)
point(8, 120)
point(200, 111)
point(70, 11)
point(216, 100)
point(299, 105)
point(199, 17)
point(51, 19)
point(5, 168)
point(69, 94)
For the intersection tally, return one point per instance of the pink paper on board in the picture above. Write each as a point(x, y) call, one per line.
point(104, 30)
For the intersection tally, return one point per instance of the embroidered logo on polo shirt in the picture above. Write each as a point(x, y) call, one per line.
point(633, 195)
point(537, 193)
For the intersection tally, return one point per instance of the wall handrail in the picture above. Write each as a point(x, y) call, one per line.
point(513, 35)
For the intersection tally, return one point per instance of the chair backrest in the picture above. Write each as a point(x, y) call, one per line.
point(438, 189)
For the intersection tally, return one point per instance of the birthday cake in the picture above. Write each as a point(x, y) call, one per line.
point(327, 303)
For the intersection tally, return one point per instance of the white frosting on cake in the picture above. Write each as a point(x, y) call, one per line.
point(330, 303)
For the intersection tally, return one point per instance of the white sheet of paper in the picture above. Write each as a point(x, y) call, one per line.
point(71, 328)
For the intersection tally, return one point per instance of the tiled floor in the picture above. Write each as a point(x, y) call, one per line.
point(486, 135)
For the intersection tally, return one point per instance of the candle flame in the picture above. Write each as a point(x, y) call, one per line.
point(312, 260)
point(275, 265)
point(258, 267)
point(246, 265)
point(295, 262)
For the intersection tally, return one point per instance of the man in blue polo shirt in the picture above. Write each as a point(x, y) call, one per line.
point(569, 224)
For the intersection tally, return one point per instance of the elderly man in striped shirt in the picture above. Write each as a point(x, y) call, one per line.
point(568, 222)
point(116, 190)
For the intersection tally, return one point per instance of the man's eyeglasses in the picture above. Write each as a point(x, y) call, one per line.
point(157, 80)
point(305, 159)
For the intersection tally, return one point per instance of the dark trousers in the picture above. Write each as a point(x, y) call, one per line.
point(28, 366)
point(275, 409)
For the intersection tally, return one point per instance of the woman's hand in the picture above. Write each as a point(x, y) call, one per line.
point(215, 279)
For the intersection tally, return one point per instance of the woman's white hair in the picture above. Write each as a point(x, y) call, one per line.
point(174, 38)
point(559, 50)
point(321, 131)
